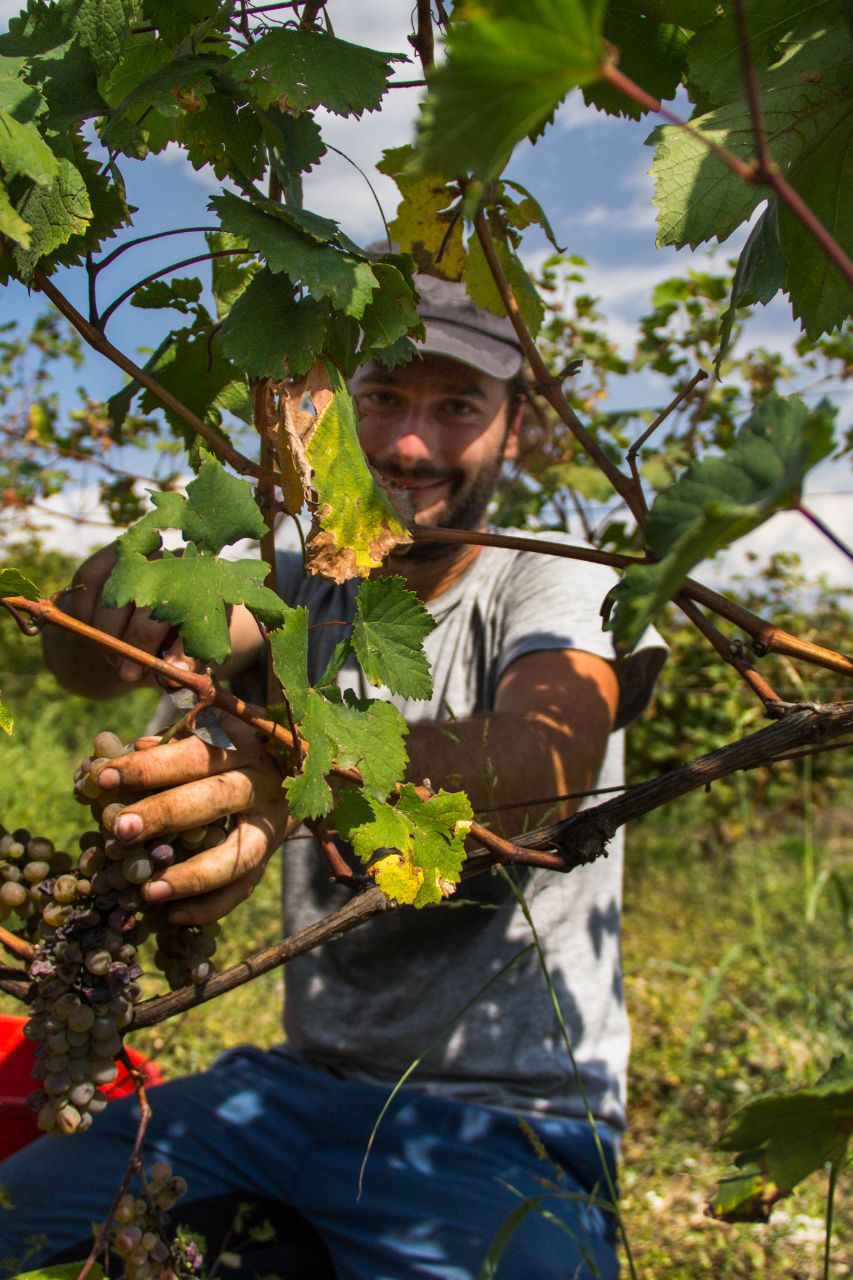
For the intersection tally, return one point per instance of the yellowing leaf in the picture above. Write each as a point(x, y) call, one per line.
point(355, 523)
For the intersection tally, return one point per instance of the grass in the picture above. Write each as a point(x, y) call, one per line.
point(737, 957)
point(735, 988)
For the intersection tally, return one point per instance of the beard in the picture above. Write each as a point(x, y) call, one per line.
point(464, 508)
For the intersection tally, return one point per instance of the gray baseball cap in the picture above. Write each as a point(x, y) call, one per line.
point(457, 328)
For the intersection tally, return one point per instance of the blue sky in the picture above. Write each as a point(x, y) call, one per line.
point(589, 172)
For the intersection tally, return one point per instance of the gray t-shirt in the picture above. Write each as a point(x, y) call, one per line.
point(369, 1003)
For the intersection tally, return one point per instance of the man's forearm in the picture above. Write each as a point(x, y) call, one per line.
point(501, 758)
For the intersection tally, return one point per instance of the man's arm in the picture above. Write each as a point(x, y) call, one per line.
point(547, 735)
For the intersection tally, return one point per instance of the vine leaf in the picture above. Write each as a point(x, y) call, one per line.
point(298, 70)
point(718, 500)
point(54, 213)
point(427, 222)
point(505, 74)
point(191, 590)
point(480, 282)
point(759, 275)
point(415, 849)
point(651, 53)
point(270, 334)
point(802, 65)
point(102, 26)
point(781, 1138)
point(289, 651)
point(180, 294)
point(367, 735)
point(15, 583)
point(387, 636)
point(6, 720)
point(821, 299)
point(325, 271)
point(355, 523)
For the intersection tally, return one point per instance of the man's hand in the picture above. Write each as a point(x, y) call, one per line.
point(86, 669)
point(93, 672)
point(197, 784)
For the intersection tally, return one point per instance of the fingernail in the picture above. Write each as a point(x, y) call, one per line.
point(109, 778)
point(180, 663)
point(128, 826)
point(130, 671)
point(157, 890)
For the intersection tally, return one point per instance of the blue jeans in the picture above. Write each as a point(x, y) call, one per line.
point(440, 1182)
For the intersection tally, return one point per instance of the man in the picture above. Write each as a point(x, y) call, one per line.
point(525, 698)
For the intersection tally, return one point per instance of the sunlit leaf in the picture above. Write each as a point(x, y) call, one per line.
point(387, 635)
point(781, 1138)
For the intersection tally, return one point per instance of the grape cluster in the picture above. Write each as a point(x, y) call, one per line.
point(91, 921)
point(25, 862)
point(140, 1228)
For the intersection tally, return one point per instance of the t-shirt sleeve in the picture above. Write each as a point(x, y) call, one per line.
point(555, 603)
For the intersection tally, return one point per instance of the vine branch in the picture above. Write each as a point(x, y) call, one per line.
point(547, 385)
point(223, 450)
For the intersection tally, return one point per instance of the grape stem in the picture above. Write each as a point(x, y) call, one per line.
point(101, 1243)
point(18, 947)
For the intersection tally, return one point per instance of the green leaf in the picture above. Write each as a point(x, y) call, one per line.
point(391, 313)
point(303, 69)
point(24, 152)
point(6, 721)
point(175, 19)
point(289, 649)
point(269, 334)
point(481, 286)
point(505, 74)
point(759, 275)
point(427, 221)
point(652, 53)
point(388, 631)
point(522, 213)
point(219, 509)
point(193, 366)
point(230, 273)
point(325, 271)
point(355, 523)
point(15, 583)
point(803, 98)
point(420, 843)
point(64, 1271)
point(179, 294)
point(781, 1138)
point(102, 27)
point(55, 214)
point(191, 592)
point(714, 55)
point(364, 735)
point(823, 174)
point(718, 500)
point(12, 224)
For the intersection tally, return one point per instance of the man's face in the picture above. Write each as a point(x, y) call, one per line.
point(439, 429)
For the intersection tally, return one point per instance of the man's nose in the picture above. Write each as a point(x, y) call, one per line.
point(414, 436)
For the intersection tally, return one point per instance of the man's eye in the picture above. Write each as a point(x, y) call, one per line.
point(459, 408)
point(377, 400)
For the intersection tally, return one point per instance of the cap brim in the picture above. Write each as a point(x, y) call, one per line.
point(489, 355)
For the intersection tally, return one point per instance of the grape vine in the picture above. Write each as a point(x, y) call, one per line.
point(291, 307)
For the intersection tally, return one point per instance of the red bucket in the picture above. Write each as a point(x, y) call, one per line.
point(17, 1055)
